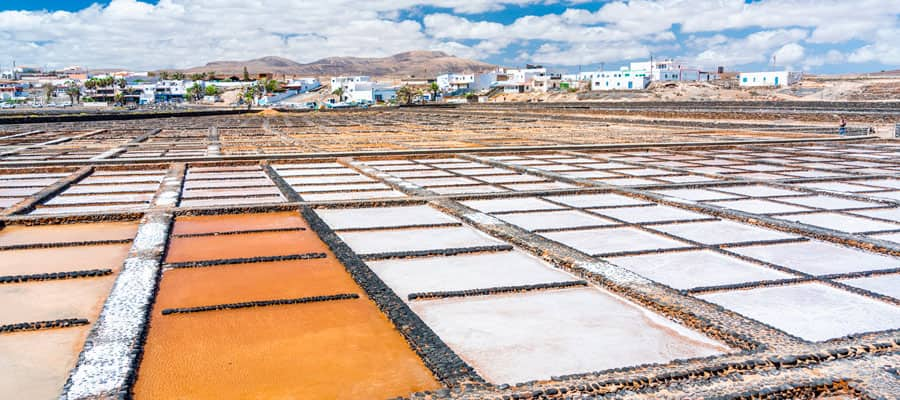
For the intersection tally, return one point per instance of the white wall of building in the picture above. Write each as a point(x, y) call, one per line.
point(619, 80)
point(771, 79)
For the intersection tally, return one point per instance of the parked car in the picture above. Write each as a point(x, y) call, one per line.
point(6, 106)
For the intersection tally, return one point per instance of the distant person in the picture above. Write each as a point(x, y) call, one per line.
point(843, 130)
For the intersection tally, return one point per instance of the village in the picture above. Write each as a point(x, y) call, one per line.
point(29, 87)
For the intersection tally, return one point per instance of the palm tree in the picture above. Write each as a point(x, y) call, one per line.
point(246, 74)
point(178, 76)
point(48, 92)
point(339, 92)
point(211, 75)
point(198, 76)
point(119, 98)
point(74, 93)
point(163, 75)
point(250, 94)
point(407, 94)
point(434, 88)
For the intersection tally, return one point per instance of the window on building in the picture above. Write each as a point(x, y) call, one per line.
point(745, 80)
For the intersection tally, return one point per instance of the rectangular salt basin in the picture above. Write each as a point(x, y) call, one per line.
point(522, 178)
point(651, 214)
point(63, 259)
point(722, 232)
point(375, 194)
point(66, 233)
point(224, 183)
point(521, 187)
point(511, 204)
point(186, 225)
point(888, 285)
point(695, 194)
point(692, 269)
point(35, 365)
point(840, 222)
point(427, 182)
point(467, 189)
point(269, 190)
point(758, 191)
point(100, 189)
point(326, 180)
point(554, 220)
point(757, 206)
point(401, 240)
point(52, 300)
point(100, 199)
point(382, 217)
point(819, 258)
point(317, 172)
point(813, 312)
point(230, 201)
point(597, 200)
point(613, 240)
point(477, 271)
point(343, 349)
point(350, 187)
point(890, 214)
point(236, 283)
point(520, 337)
point(829, 203)
point(242, 245)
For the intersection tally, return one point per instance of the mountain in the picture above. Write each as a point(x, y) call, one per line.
point(412, 63)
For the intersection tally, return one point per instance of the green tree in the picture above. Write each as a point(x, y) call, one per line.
point(211, 75)
point(270, 85)
point(193, 93)
point(121, 83)
point(178, 76)
point(435, 89)
point(339, 92)
point(198, 76)
point(246, 74)
point(211, 90)
point(163, 75)
point(119, 98)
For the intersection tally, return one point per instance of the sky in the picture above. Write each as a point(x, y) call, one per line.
point(818, 36)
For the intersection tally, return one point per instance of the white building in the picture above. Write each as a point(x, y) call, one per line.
point(623, 79)
point(671, 70)
point(303, 85)
point(345, 81)
point(454, 82)
point(773, 79)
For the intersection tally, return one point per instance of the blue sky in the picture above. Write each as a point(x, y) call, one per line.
point(811, 35)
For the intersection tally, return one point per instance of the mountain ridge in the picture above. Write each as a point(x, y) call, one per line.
point(406, 64)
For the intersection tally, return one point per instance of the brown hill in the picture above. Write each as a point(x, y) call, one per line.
point(413, 63)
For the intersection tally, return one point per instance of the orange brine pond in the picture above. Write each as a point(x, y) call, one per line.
point(243, 245)
point(339, 349)
point(63, 259)
point(35, 365)
point(67, 233)
point(238, 222)
point(195, 287)
point(332, 350)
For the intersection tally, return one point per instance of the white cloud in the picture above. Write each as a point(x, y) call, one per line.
point(180, 33)
point(754, 48)
point(789, 54)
